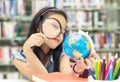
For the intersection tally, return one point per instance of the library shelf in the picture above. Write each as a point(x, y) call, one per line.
point(95, 29)
point(109, 50)
point(22, 18)
point(90, 9)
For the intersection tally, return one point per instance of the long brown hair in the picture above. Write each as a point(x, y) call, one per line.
point(38, 18)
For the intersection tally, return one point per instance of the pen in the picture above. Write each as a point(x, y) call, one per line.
point(91, 72)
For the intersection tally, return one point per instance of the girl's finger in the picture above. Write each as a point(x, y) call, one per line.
point(80, 61)
point(94, 55)
point(41, 35)
point(88, 62)
point(92, 60)
point(36, 42)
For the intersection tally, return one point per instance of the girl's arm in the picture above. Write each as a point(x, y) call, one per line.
point(65, 66)
point(34, 63)
point(33, 67)
point(23, 68)
point(81, 66)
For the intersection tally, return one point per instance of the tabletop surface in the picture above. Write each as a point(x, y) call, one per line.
point(13, 80)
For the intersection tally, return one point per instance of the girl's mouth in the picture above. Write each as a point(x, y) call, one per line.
point(57, 40)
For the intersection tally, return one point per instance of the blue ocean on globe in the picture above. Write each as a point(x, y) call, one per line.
point(76, 45)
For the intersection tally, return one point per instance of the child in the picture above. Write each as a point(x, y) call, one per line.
point(42, 54)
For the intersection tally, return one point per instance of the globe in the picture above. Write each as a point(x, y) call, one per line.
point(77, 45)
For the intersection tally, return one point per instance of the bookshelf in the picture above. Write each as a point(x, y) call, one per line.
point(101, 21)
point(15, 18)
point(100, 18)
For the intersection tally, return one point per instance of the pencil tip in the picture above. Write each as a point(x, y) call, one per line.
point(88, 67)
point(104, 57)
point(111, 58)
point(116, 55)
point(111, 66)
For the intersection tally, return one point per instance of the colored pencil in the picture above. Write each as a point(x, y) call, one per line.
point(114, 61)
point(116, 69)
point(110, 72)
point(118, 74)
point(107, 68)
point(103, 67)
point(99, 69)
point(96, 69)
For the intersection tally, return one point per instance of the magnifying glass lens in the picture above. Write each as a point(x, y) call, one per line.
point(51, 28)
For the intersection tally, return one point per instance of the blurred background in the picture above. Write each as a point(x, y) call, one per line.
point(100, 18)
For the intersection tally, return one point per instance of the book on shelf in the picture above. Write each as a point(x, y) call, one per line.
point(6, 53)
point(112, 3)
point(112, 19)
point(0, 29)
point(39, 4)
point(7, 7)
point(8, 29)
point(1, 8)
point(87, 20)
point(13, 29)
point(96, 40)
point(21, 7)
point(11, 75)
point(10, 8)
point(57, 77)
point(104, 40)
point(80, 4)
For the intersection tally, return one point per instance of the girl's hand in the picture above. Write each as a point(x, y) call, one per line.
point(36, 39)
point(90, 60)
point(87, 62)
point(80, 65)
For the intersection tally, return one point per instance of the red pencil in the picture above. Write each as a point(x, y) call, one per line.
point(107, 68)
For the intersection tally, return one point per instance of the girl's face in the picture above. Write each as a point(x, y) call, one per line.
point(53, 43)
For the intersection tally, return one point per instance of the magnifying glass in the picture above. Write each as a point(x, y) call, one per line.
point(51, 28)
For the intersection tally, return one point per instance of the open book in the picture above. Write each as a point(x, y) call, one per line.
point(57, 77)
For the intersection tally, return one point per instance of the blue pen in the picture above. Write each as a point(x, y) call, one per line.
point(91, 73)
point(110, 72)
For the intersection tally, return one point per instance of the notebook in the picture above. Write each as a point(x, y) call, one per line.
point(57, 77)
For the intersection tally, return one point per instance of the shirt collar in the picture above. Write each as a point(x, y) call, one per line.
point(51, 58)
